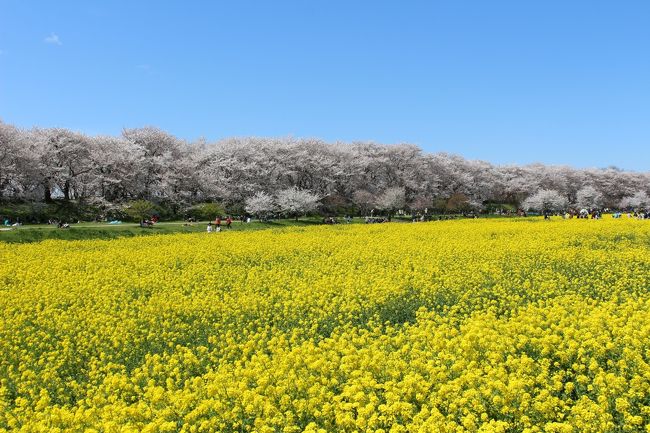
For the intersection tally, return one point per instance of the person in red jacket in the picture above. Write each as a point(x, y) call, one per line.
point(217, 223)
point(228, 222)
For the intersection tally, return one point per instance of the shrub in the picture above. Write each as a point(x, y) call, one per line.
point(139, 209)
point(205, 211)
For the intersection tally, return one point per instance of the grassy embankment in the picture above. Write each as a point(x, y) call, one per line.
point(40, 232)
point(94, 230)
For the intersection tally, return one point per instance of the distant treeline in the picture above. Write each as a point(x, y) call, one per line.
point(47, 165)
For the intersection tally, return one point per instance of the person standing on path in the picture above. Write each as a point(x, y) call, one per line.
point(217, 223)
point(229, 222)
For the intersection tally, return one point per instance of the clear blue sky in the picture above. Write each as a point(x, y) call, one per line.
point(504, 81)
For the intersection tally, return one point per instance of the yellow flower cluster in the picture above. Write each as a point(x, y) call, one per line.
point(460, 326)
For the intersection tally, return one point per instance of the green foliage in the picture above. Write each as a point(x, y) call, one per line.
point(336, 204)
point(36, 233)
point(60, 210)
point(139, 209)
point(439, 204)
point(205, 211)
point(492, 207)
point(400, 307)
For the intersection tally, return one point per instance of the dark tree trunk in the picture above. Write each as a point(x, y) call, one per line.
point(66, 190)
point(47, 194)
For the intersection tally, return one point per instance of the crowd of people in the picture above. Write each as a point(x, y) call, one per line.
point(8, 223)
point(596, 214)
point(218, 222)
point(641, 215)
point(149, 222)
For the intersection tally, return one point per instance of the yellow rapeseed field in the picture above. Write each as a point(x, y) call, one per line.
point(464, 326)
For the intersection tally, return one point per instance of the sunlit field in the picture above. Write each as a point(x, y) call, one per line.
point(461, 326)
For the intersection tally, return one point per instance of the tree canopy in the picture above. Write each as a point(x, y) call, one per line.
point(46, 164)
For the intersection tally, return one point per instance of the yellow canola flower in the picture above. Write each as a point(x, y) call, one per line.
point(460, 326)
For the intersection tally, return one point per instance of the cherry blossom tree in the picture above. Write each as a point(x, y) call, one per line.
point(589, 198)
point(639, 200)
point(295, 202)
point(392, 199)
point(13, 161)
point(545, 200)
point(46, 164)
point(261, 205)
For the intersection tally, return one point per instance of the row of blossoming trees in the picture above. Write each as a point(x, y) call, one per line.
point(44, 165)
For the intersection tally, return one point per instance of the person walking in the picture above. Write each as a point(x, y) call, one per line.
point(229, 222)
point(217, 223)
